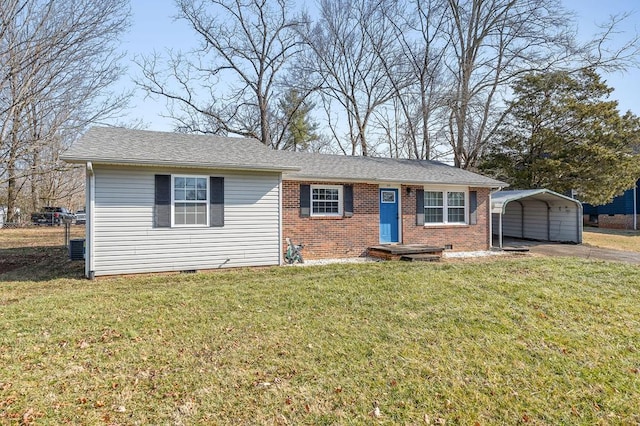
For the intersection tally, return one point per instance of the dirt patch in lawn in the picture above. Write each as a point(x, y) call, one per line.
point(37, 253)
point(38, 264)
point(10, 262)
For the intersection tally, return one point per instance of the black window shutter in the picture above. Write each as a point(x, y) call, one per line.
point(305, 200)
point(162, 214)
point(419, 207)
point(348, 200)
point(473, 207)
point(216, 201)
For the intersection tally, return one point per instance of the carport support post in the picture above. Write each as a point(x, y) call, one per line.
point(500, 230)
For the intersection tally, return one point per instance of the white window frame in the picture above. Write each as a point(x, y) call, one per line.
point(383, 191)
point(445, 206)
point(206, 202)
point(442, 208)
point(340, 201)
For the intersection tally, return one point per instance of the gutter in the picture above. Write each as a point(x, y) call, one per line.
point(166, 163)
point(89, 265)
point(383, 180)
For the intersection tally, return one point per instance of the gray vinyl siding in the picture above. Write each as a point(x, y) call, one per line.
point(126, 241)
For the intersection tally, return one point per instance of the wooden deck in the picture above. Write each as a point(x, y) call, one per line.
point(408, 252)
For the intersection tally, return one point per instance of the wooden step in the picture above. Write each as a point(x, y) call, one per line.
point(406, 249)
point(516, 249)
point(408, 252)
point(397, 251)
point(423, 257)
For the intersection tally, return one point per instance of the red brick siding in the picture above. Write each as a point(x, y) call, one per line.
point(618, 221)
point(326, 237)
point(461, 237)
point(350, 237)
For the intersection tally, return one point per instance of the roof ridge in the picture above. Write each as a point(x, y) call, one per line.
point(119, 145)
point(164, 133)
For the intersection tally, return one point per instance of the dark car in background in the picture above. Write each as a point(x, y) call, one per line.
point(52, 216)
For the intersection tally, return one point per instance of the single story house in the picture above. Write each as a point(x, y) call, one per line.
point(159, 201)
point(621, 213)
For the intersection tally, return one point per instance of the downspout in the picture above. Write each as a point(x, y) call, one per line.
point(490, 220)
point(491, 217)
point(280, 215)
point(90, 230)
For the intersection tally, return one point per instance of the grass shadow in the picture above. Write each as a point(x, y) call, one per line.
point(40, 263)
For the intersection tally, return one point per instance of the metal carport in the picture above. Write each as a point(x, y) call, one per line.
point(536, 214)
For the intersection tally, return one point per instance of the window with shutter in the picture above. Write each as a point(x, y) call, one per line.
point(444, 207)
point(326, 200)
point(188, 201)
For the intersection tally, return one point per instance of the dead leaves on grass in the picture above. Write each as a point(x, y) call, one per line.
point(107, 335)
point(376, 413)
point(28, 417)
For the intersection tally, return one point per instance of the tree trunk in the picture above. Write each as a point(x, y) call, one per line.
point(12, 193)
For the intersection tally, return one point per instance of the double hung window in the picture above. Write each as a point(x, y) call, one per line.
point(445, 207)
point(326, 200)
point(190, 200)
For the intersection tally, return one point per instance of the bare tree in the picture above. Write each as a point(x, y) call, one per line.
point(494, 42)
point(351, 57)
point(423, 79)
point(58, 60)
point(418, 27)
point(229, 84)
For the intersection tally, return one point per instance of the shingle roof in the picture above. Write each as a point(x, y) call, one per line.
point(125, 146)
point(110, 145)
point(392, 170)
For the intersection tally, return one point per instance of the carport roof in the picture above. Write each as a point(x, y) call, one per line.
point(501, 198)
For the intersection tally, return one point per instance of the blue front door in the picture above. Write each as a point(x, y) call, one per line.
point(389, 215)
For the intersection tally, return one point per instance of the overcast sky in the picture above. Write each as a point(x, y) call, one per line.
point(153, 28)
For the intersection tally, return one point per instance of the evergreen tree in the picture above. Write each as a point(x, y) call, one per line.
point(300, 130)
point(564, 134)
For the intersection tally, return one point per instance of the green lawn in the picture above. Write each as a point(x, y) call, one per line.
point(525, 340)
